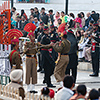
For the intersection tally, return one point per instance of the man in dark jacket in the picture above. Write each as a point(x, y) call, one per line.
point(73, 58)
point(44, 16)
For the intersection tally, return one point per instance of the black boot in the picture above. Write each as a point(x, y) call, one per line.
point(94, 75)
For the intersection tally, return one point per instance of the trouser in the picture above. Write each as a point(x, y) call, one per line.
point(40, 61)
point(88, 54)
point(60, 68)
point(31, 70)
point(74, 73)
point(95, 61)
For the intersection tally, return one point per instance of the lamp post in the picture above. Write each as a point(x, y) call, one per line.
point(11, 3)
point(66, 6)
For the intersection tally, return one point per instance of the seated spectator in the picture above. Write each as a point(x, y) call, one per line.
point(78, 36)
point(80, 93)
point(90, 28)
point(16, 79)
point(36, 13)
point(31, 19)
point(48, 92)
point(77, 27)
point(93, 95)
point(66, 92)
point(82, 45)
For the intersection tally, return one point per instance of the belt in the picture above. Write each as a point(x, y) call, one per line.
point(30, 55)
point(14, 66)
point(64, 53)
point(45, 49)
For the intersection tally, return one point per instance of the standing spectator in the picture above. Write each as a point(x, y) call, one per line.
point(51, 17)
point(63, 17)
point(32, 11)
point(23, 23)
point(36, 13)
point(31, 19)
point(23, 14)
point(78, 19)
point(57, 16)
point(59, 22)
point(36, 22)
point(44, 16)
point(14, 13)
point(95, 50)
point(18, 23)
point(66, 92)
point(83, 19)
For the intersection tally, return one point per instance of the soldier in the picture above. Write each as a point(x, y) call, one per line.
point(95, 40)
point(14, 56)
point(48, 62)
point(53, 38)
point(31, 62)
point(62, 48)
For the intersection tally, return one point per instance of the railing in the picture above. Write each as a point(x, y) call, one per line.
point(9, 93)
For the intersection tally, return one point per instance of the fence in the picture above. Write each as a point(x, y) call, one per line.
point(5, 44)
point(8, 93)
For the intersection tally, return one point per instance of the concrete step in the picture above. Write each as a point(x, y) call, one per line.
point(85, 66)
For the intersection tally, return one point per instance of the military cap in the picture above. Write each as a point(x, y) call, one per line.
point(41, 23)
point(51, 26)
point(95, 24)
point(63, 33)
point(45, 28)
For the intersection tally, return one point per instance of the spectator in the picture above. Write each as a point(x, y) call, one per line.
point(51, 17)
point(18, 23)
point(80, 93)
point(44, 16)
point(23, 14)
point(63, 17)
point(82, 45)
point(93, 95)
point(36, 13)
point(57, 16)
point(78, 19)
point(14, 13)
point(83, 19)
point(23, 23)
point(59, 22)
point(16, 79)
point(32, 11)
point(78, 36)
point(13, 24)
point(66, 92)
point(87, 20)
point(36, 22)
point(31, 19)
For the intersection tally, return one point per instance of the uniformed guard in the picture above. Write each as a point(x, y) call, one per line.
point(62, 48)
point(31, 63)
point(48, 62)
point(53, 38)
point(95, 40)
point(14, 56)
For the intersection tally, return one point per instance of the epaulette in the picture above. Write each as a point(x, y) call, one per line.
point(63, 43)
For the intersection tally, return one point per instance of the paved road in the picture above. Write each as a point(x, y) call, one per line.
point(82, 78)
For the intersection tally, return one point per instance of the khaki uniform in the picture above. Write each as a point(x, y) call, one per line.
point(15, 60)
point(63, 59)
point(31, 62)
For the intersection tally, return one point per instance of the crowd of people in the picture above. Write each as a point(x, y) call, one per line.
point(63, 41)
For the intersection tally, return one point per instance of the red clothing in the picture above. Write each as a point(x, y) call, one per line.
point(25, 16)
point(79, 21)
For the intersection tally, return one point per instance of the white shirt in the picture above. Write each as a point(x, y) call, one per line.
point(64, 94)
